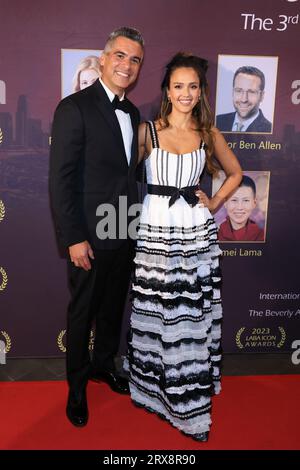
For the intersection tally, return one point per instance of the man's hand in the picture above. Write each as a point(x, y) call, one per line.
point(80, 254)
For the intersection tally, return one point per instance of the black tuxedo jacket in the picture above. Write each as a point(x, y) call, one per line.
point(88, 165)
point(260, 124)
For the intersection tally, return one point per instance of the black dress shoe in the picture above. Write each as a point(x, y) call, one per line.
point(77, 410)
point(200, 437)
point(116, 382)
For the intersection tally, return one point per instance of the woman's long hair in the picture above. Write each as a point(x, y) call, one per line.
point(201, 112)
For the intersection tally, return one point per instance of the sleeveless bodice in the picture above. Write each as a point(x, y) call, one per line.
point(171, 169)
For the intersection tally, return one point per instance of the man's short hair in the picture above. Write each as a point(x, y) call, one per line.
point(249, 183)
point(125, 32)
point(251, 71)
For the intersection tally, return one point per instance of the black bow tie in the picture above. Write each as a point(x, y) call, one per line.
point(122, 105)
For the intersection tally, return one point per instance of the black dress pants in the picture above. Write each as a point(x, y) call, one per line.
point(100, 295)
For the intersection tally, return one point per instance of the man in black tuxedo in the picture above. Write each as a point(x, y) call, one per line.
point(92, 162)
point(248, 93)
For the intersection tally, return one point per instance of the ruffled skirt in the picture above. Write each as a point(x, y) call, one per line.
point(174, 347)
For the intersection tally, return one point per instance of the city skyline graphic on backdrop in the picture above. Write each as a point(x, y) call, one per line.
point(24, 131)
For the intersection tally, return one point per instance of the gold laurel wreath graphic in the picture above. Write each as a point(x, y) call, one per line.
point(283, 337)
point(4, 279)
point(91, 343)
point(62, 346)
point(60, 342)
point(2, 210)
point(1, 136)
point(8, 341)
point(238, 337)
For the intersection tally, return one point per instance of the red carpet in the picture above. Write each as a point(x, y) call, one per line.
point(253, 412)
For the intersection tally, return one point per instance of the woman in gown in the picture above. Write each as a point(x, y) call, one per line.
point(174, 348)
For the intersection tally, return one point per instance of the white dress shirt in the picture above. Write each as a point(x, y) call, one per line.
point(124, 121)
point(242, 126)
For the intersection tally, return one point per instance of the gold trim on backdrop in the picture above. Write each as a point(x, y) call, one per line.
point(63, 348)
point(7, 341)
point(283, 337)
point(92, 339)
point(60, 343)
point(238, 338)
point(4, 279)
point(2, 210)
point(260, 337)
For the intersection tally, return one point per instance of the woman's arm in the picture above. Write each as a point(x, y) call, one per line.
point(232, 169)
point(144, 144)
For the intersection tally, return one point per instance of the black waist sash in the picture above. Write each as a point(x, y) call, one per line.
point(188, 193)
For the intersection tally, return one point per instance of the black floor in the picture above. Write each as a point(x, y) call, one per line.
point(233, 364)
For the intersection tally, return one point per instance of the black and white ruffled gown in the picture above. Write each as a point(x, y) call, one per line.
point(174, 348)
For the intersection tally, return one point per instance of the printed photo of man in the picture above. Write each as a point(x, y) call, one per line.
point(238, 225)
point(247, 95)
point(243, 216)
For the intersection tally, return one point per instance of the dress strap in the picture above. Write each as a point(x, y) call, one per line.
point(153, 134)
point(203, 145)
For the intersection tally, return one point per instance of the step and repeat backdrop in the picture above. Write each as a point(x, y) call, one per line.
point(50, 49)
